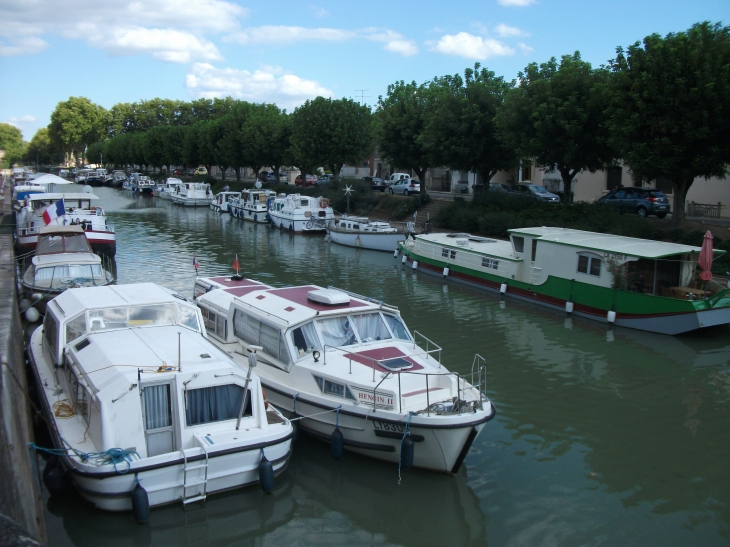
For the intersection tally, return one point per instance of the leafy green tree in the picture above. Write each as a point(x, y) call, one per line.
point(191, 145)
point(11, 142)
point(94, 153)
point(40, 150)
point(229, 146)
point(331, 133)
point(670, 113)
point(174, 138)
point(461, 129)
point(265, 136)
point(154, 146)
point(402, 116)
point(76, 123)
point(557, 117)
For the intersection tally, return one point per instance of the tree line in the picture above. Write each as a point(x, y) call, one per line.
point(661, 106)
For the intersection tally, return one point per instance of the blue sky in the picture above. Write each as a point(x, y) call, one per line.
point(286, 52)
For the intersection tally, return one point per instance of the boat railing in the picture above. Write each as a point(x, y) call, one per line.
point(437, 349)
point(374, 363)
point(362, 297)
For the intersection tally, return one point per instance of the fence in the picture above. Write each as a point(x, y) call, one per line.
point(703, 210)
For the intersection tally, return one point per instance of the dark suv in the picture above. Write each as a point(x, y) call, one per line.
point(534, 191)
point(642, 201)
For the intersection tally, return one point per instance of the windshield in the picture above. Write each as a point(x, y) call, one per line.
point(539, 189)
point(143, 316)
point(370, 326)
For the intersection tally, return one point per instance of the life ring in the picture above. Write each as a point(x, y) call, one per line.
point(266, 401)
point(324, 203)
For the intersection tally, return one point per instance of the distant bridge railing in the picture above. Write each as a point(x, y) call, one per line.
point(703, 210)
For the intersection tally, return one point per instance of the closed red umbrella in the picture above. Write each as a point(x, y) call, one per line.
point(705, 260)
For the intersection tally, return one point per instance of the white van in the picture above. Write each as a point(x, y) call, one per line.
point(395, 177)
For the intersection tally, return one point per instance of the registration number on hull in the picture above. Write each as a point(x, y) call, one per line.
point(387, 426)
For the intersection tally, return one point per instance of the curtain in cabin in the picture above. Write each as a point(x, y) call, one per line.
point(214, 404)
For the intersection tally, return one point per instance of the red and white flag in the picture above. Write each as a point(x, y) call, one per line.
point(236, 265)
point(195, 264)
point(53, 211)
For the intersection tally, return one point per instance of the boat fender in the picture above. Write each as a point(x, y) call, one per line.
point(446, 272)
point(406, 452)
point(403, 260)
point(415, 264)
point(337, 443)
point(54, 476)
point(395, 255)
point(32, 315)
point(357, 241)
point(327, 238)
point(140, 504)
point(503, 288)
point(611, 316)
point(255, 217)
point(266, 474)
point(291, 227)
point(24, 305)
point(569, 306)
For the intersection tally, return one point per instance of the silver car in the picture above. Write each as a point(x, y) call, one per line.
point(537, 192)
point(405, 187)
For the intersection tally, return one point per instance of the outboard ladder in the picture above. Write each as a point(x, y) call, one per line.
point(193, 482)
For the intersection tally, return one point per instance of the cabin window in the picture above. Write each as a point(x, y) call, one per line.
point(355, 226)
point(215, 404)
point(305, 203)
point(397, 327)
point(253, 331)
point(214, 323)
point(490, 263)
point(518, 243)
point(333, 388)
point(447, 253)
point(589, 264)
point(305, 339)
point(201, 290)
point(50, 331)
point(71, 270)
point(370, 326)
point(187, 317)
point(337, 331)
point(75, 328)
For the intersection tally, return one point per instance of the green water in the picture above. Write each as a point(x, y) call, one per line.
point(601, 437)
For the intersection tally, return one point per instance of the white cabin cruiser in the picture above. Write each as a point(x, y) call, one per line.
point(143, 184)
point(118, 178)
point(298, 213)
point(148, 402)
point(329, 350)
point(221, 201)
point(78, 211)
point(63, 259)
point(364, 233)
point(192, 194)
point(251, 205)
point(165, 189)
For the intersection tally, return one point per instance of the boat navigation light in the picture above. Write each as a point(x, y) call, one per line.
point(315, 355)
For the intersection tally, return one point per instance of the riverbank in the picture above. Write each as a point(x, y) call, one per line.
point(21, 505)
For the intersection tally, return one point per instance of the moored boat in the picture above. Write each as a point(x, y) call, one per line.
point(143, 184)
point(63, 259)
point(298, 213)
point(136, 397)
point(251, 205)
point(192, 194)
point(221, 201)
point(629, 282)
point(166, 188)
point(364, 233)
point(351, 370)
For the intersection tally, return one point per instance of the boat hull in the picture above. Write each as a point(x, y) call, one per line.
point(103, 242)
point(249, 214)
point(367, 240)
point(637, 311)
point(298, 225)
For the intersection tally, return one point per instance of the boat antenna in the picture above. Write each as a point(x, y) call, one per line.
point(179, 363)
point(251, 364)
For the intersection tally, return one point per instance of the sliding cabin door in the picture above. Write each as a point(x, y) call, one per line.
point(157, 409)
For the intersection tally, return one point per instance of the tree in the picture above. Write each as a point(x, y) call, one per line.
point(11, 142)
point(40, 149)
point(670, 113)
point(94, 153)
point(557, 117)
point(76, 123)
point(461, 129)
point(331, 133)
point(229, 146)
point(265, 136)
point(401, 119)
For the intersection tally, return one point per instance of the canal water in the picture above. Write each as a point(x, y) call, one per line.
point(602, 437)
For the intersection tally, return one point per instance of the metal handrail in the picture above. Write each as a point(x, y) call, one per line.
point(428, 341)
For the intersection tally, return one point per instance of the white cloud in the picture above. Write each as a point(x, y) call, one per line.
point(281, 34)
point(169, 30)
point(505, 31)
point(21, 121)
point(469, 46)
point(518, 3)
point(23, 45)
point(319, 12)
point(268, 84)
point(525, 48)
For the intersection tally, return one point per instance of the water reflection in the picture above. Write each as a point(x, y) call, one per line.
point(603, 436)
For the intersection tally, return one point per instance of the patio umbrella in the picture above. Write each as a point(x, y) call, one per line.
point(705, 260)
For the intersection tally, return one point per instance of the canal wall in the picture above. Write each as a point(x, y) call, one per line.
point(22, 519)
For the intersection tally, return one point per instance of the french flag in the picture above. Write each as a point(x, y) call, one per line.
point(53, 211)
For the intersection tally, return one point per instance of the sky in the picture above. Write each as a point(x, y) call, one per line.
point(286, 52)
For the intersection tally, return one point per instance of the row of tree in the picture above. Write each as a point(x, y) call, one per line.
point(662, 106)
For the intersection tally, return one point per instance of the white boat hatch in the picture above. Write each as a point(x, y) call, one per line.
point(328, 297)
point(396, 363)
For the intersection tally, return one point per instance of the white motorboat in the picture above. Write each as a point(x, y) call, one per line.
point(221, 201)
point(298, 213)
point(251, 205)
point(118, 178)
point(192, 194)
point(143, 184)
point(165, 189)
point(330, 350)
point(63, 259)
point(364, 233)
point(78, 211)
point(96, 177)
point(137, 397)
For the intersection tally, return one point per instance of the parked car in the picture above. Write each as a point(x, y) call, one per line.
point(63, 173)
point(323, 180)
point(405, 186)
point(201, 171)
point(311, 180)
point(535, 191)
point(378, 184)
point(460, 187)
point(642, 201)
point(500, 187)
point(177, 172)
